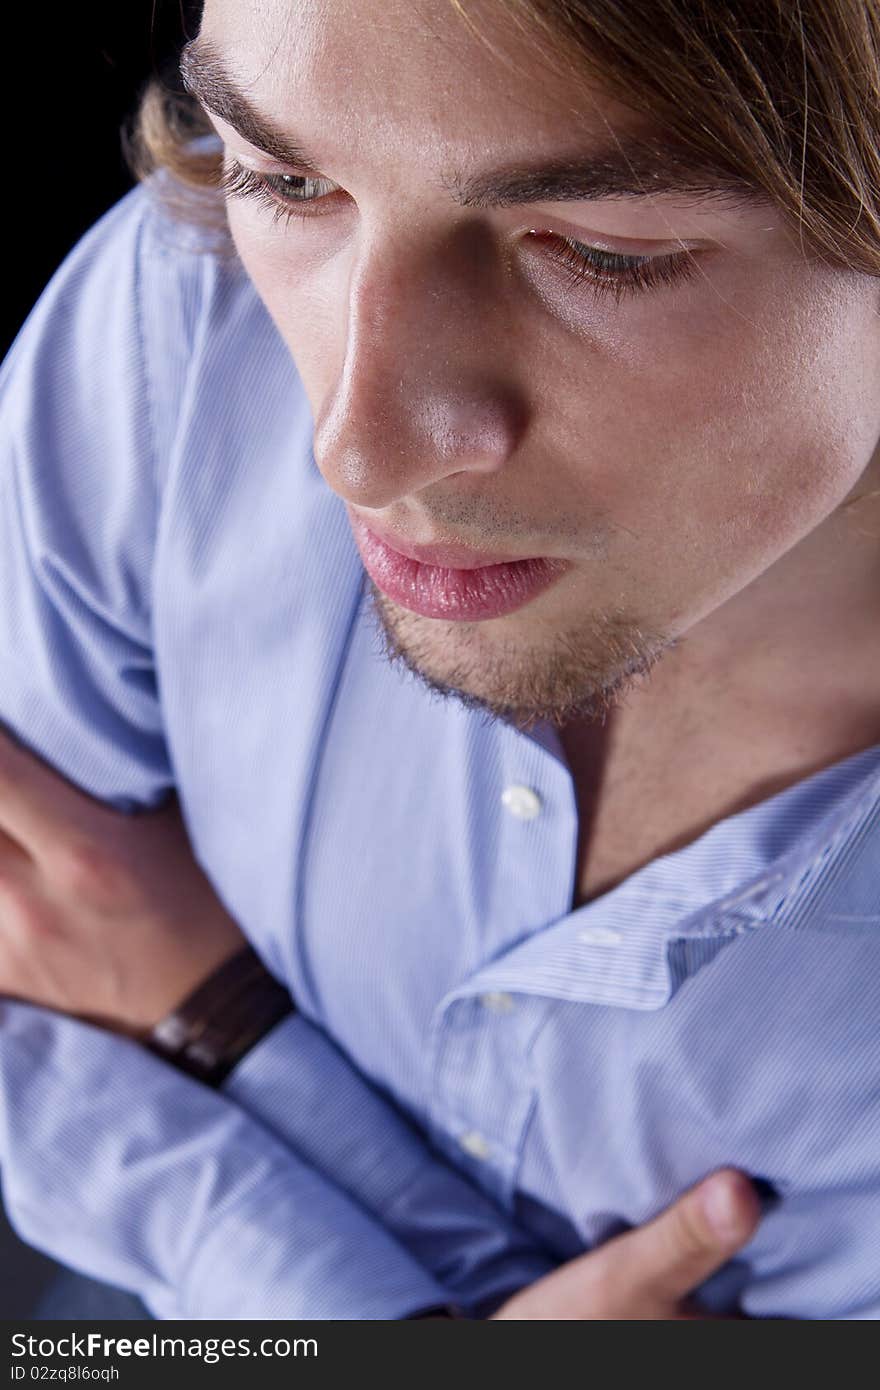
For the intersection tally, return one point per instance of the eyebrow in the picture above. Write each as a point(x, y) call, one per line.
point(634, 167)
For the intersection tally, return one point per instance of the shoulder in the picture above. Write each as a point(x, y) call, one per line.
point(120, 315)
point(145, 312)
point(132, 260)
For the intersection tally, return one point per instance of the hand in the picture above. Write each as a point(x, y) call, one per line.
point(103, 915)
point(648, 1273)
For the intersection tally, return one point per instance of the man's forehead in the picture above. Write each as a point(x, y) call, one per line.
point(517, 148)
point(398, 57)
point(606, 163)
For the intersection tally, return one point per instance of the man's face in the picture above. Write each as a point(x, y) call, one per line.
point(670, 444)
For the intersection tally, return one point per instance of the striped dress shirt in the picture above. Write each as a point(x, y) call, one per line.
point(480, 1083)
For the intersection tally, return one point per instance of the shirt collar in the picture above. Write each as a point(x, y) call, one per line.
point(805, 857)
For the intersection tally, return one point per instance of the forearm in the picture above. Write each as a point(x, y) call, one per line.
point(240, 1029)
point(300, 1085)
point(117, 1164)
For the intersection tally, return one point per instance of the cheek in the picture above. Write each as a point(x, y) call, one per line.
point(720, 424)
point(720, 436)
point(281, 278)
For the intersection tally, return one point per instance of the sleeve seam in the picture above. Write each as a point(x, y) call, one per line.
point(145, 252)
point(151, 411)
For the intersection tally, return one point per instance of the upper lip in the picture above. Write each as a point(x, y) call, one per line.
point(458, 557)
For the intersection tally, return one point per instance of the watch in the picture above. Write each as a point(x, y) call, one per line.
point(222, 1019)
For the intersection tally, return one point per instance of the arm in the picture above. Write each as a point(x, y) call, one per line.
point(456, 1232)
point(188, 1200)
point(229, 1199)
point(180, 1196)
point(184, 1195)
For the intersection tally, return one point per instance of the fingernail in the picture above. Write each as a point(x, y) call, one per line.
point(724, 1206)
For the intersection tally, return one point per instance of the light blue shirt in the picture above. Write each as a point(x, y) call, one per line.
point(480, 1083)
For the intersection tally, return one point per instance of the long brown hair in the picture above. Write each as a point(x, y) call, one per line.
point(783, 94)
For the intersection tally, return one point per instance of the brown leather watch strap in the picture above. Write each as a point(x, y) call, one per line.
point(213, 1028)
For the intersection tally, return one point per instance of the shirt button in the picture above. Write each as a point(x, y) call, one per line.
point(475, 1144)
point(498, 1003)
point(522, 802)
point(600, 936)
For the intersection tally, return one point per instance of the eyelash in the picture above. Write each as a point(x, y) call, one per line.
point(606, 272)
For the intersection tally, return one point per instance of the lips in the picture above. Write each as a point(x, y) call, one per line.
point(457, 557)
point(471, 589)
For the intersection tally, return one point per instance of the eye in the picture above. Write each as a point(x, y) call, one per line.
point(610, 273)
point(604, 273)
point(285, 195)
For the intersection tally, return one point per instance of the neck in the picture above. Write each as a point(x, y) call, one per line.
point(788, 667)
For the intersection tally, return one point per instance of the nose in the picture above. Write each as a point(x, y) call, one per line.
point(427, 386)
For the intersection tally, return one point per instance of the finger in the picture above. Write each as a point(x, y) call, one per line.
point(667, 1258)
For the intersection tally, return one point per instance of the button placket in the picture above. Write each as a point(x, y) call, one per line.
point(475, 1144)
point(521, 801)
point(497, 1002)
point(484, 1091)
point(600, 935)
point(537, 831)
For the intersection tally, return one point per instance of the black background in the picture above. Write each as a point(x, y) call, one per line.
point(72, 75)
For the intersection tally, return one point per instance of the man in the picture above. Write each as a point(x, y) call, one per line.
point(601, 918)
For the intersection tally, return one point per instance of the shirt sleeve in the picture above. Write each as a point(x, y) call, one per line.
point(198, 1200)
point(300, 1085)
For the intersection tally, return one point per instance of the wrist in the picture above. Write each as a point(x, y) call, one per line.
point(222, 1019)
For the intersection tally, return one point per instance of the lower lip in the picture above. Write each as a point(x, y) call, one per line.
point(459, 595)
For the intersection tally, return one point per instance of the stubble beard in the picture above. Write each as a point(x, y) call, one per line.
point(577, 676)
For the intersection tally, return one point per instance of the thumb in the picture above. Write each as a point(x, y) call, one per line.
point(687, 1242)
